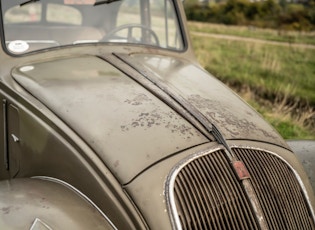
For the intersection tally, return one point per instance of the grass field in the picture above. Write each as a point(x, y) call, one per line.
point(253, 32)
point(279, 81)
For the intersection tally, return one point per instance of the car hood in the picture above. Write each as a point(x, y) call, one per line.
point(128, 125)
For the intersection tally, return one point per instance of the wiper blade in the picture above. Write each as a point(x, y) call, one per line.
point(105, 2)
point(27, 2)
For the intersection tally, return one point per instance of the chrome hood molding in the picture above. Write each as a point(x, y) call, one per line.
point(197, 91)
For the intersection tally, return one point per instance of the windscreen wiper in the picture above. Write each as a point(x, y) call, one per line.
point(27, 2)
point(104, 2)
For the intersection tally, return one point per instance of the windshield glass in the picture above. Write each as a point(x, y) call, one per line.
point(31, 25)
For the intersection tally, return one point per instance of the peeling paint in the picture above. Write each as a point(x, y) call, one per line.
point(218, 113)
point(6, 210)
point(155, 118)
point(116, 164)
point(138, 100)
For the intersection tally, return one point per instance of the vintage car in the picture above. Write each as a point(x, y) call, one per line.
point(109, 122)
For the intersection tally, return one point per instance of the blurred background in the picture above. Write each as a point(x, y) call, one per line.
point(263, 50)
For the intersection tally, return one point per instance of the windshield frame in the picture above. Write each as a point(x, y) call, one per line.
point(179, 28)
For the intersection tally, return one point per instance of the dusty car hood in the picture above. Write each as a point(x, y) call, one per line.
point(126, 125)
point(220, 106)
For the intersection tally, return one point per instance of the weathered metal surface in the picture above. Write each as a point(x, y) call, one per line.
point(204, 187)
point(305, 152)
point(115, 119)
point(241, 170)
point(268, 172)
point(234, 118)
point(33, 202)
point(255, 204)
point(111, 112)
point(171, 98)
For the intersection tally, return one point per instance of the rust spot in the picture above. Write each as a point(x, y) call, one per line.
point(227, 119)
point(138, 100)
point(156, 118)
point(145, 120)
point(5, 210)
point(241, 170)
point(124, 128)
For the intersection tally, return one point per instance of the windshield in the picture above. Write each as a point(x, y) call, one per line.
point(31, 25)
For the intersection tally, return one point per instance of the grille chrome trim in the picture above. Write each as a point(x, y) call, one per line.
point(171, 180)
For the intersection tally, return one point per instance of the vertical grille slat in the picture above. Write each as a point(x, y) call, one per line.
point(262, 186)
point(294, 196)
point(221, 209)
point(201, 191)
point(232, 192)
point(271, 184)
point(188, 200)
point(226, 195)
point(222, 187)
point(212, 193)
point(222, 203)
point(283, 204)
point(196, 201)
point(209, 195)
point(283, 189)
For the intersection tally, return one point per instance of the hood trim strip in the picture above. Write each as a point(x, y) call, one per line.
point(175, 95)
point(161, 90)
point(165, 88)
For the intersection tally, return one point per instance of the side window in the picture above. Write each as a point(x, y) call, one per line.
point(63, 14)
point(172, 27)
point(164, 20)
point(55, 13)
point(27, 13)
point(129, 12)
point(158, 17)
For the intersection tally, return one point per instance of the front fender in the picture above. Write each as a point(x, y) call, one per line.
point(305, 152)
point(33, 203)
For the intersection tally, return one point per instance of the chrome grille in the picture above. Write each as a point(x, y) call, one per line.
point(208, 195)
point(278, 190)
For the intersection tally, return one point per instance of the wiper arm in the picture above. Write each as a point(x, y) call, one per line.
point(104, 2)
point(27, 2)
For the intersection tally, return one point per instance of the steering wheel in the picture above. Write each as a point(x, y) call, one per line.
point(130, 38)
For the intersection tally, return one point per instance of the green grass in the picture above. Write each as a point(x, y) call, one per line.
point(273, 69)
point(283, 76)
point(253, 32)
point(287, 126)
point(289, 130)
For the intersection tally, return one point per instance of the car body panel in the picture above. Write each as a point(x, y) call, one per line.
point(106, 124)
point(95, 86)
point(179, 75)
point(305, 152)
point(34, 203)
point(105, 117)
point(158, 180)
point(57, 152)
